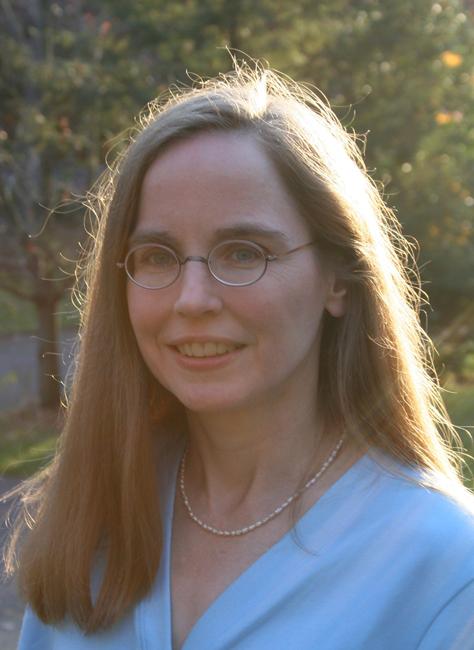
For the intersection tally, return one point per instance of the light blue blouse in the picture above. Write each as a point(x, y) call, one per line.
point(378, 563)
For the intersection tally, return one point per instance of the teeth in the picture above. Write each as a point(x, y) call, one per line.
point(208, 349)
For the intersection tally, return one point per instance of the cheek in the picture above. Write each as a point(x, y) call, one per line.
point(146, 320)
point(143, 312)
point(135, 309)
point(302, 302)
point(288, 319)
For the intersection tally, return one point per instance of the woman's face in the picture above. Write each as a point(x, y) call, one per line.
point(206, 189)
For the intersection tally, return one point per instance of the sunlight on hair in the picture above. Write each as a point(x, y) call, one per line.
point(380, 386)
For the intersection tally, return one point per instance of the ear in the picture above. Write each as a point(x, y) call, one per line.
point(336, 298)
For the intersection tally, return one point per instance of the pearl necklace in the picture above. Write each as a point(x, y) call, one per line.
point(260, 522)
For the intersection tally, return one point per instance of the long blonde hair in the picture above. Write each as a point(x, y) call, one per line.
point(100, 491)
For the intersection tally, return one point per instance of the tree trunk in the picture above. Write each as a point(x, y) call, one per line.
point(49, 380)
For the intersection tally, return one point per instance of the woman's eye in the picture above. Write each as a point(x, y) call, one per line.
point(159, 259)
point(242, 256)
point(156, 258)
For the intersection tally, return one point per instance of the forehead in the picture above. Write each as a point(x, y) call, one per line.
point(212, 181)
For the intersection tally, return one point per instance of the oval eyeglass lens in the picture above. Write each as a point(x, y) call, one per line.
point(237, 262)
point(153, 266)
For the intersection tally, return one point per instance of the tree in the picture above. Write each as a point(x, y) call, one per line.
point(62, 102)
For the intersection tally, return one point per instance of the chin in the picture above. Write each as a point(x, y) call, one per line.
point(205, 401)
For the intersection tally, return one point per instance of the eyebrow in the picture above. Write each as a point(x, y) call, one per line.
point(236, 231)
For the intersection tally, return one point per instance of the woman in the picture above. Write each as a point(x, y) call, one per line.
point(254, 454)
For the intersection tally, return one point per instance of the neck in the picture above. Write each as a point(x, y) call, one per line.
point(243, 463)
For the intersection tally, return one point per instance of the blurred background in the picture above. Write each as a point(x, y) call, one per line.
point(75, 73)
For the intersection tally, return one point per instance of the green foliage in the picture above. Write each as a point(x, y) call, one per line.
point(458, 360)
point(19, 316)
point(459, 400)
point(27, 442)
point(15, 315)
point(24, 457)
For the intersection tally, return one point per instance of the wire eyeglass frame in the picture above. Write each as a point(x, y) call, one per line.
point(266, 257)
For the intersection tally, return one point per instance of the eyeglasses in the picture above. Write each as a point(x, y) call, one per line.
point(235, 263)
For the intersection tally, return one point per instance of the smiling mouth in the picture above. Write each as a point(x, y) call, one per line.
point(208, 349)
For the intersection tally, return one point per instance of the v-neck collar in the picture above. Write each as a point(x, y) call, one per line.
point(153, 617)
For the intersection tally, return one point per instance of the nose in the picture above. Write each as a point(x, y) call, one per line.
point(198, 290)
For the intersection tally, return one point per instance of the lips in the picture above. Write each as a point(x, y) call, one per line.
point(206, 349)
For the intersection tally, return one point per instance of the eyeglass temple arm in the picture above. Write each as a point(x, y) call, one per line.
point(270, 258)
